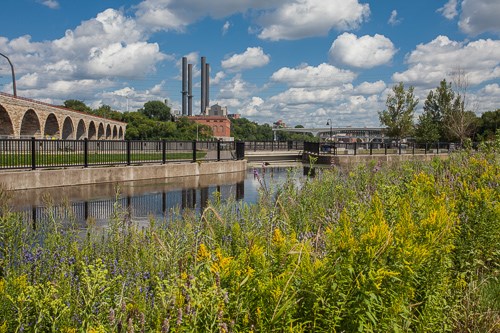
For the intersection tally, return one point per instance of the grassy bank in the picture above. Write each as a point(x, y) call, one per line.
point(411, 248)
point(24, 159)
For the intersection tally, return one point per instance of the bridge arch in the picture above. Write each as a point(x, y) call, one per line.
point(51, 128)
point(115, 133)
point(108, 132)
point(30, 125)
point(80, 130)
point(92, 131)
point(23, 117)
point(120, 134)
point(6, 127)
point(100, 132)
point(68, 129)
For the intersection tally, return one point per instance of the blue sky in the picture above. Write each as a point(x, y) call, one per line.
point(302, 61)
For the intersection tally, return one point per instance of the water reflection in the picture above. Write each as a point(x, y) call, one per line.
point(141, 200)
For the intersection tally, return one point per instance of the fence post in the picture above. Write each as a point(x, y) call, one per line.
point(128, 152)
point(413, 148)
point(371, 148)
point(240, 150)
point(399, 147)
point(385, 148)
point(194, 150)
point(85, 153)
point(355, 147)
point(426, 148)
point(33, 153)
point(163, 151)
point(437, 148)
point(218, 150)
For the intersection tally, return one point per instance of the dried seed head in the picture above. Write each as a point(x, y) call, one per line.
point(165, 327)
point(111, 316)
point(179, 317)
point(130, 326)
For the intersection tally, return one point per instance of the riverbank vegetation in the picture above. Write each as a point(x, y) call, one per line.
point(402, 248)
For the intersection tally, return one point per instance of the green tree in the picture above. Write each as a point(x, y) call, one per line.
point(398, 117)
point(430, 125)
point(427, 129)
point(106, 112)
point(77, 105)
point(246, 130)
point(156, 110)
point(488, 125)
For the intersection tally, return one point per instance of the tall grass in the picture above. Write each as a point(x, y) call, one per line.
point(406, 248)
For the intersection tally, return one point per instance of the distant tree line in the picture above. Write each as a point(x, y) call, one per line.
point(447, 115)
point(154, 121)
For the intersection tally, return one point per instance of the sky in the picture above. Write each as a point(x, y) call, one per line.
point(302, 61)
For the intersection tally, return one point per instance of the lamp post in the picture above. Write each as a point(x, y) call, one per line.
point(13, 74)
point(329, 122)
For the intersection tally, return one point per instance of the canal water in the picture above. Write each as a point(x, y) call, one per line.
point(161, 199)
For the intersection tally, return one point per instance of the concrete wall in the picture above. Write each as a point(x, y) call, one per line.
point(351, 160)
point(19, 180)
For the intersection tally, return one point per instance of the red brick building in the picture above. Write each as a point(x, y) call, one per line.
point(220, 125)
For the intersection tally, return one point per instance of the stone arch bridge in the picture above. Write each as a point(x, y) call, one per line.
point(26, 118)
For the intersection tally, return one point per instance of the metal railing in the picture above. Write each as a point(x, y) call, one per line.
point(43, 153)
point(274, 145)
point(379, 148)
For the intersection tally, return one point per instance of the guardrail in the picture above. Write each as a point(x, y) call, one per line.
point(273, 145)
point(379, 148)
point(43, 153)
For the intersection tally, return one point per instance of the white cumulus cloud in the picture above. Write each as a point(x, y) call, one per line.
point(362, 52)
point(371, 88)
point(52, 4)
point(306, 18)
point(480, 16)
point(236, 88)
point(394, 20)
point(123, 60)
point(253, 57)
point(449, 10)
point(430, 63)
point(276, 19)
point(225, 27)
point(87, 59)
point(324, 75)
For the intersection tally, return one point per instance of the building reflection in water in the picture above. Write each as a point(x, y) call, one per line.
point(142, 200)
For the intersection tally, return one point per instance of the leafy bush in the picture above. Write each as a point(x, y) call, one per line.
point(407, 248)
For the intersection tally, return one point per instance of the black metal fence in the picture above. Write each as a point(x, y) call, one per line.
point(274, 145)
point(42, 153)
point(379, 148)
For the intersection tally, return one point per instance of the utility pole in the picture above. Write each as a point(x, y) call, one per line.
point(13, 74)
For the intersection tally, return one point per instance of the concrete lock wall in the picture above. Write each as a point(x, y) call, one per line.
point(20, 180)
point(352, 160)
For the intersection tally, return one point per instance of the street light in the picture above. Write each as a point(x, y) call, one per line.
point(329, 122)
point(13, 75)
